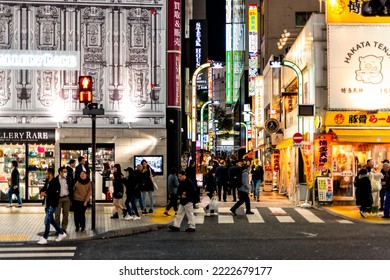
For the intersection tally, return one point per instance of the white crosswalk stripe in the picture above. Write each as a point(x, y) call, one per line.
point(255, 218)
point(309, 215)
point(281, 215)
point(37, 252)
point(224, 216)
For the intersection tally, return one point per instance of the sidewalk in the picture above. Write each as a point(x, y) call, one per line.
point(26, 223)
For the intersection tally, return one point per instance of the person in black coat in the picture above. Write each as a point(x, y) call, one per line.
point(363, 192)
point(66, 197)
point(148, 174)
point(51, 195)
point(118, 191)
point(130, 183)
point(235, 170)
point(139, 177)
point(14, 187)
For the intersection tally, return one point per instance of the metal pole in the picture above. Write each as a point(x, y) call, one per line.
point(93, 171)
point(201, 123)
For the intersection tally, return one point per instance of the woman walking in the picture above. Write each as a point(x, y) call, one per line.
point(118, 192)
point(82, 191)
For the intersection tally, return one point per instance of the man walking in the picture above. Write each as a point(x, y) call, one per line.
point(51, 194)
point(66, 193)
point(186, 194)
point(222, 176)
point(243, 193)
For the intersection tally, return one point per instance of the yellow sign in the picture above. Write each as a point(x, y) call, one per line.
point(355, 11)
point(357, 119)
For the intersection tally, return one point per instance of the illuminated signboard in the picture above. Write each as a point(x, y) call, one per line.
point(199, 50)
point(358, 67)
point(253, 48)
point(229, 53)
point(357, 11)
point(39, 60)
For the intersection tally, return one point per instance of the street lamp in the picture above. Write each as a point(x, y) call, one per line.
point(246, 135)
point(298, 72)
point(202, 120)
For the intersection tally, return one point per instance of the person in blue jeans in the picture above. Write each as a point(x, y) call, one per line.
point(257, 177)
point(14, 187)
point(51, 196)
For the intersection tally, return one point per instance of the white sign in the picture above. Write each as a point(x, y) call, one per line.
point(359, 67)
point(39, 60)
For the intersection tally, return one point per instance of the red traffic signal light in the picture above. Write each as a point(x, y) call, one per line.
point(85, 89)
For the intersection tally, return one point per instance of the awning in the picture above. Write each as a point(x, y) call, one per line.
point(285, 143)
point(363, 135)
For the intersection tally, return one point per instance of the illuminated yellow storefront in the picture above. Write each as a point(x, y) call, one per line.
point(356, 137)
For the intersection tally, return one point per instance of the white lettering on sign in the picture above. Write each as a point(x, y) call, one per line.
point(39, 60)
point(198, 44)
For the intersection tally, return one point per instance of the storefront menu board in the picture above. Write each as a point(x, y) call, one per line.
point(325, 189)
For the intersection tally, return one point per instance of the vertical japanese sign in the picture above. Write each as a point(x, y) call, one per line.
point(253, 48)
point(229, 53)
point(307, 156)
point(174, 53)
point(322, 148)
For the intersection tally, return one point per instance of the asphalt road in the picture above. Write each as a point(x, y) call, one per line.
point(241, 240)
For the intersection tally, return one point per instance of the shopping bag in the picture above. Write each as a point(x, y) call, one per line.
point(204, 201)
point(213, 204)
point(154, 184)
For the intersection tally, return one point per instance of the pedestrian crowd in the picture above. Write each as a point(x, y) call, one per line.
point(373, 190)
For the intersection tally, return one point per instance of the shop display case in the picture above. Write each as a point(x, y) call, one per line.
point(8, 153)
point(40, 157)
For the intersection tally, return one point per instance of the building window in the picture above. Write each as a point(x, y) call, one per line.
point(301, 18)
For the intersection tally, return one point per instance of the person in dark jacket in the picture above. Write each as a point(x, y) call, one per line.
point(139, 177)
point(66, 197)
point(148, 173)
point(130, 183)
point(211, 188)
point(118, 192)
point(257, 177)
point(14, 187)
point(173, 184)
point(363, 192)
point(186, 193)
point(191, 174)
point(82, 166)
point(235, 170)
point(222, 177)
point(51, 195)
point(106, 172)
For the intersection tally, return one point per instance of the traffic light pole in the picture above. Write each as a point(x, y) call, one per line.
point(92, 110)
point(93, 219)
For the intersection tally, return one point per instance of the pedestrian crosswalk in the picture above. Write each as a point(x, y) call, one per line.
point(268, 214)
point(46, 252)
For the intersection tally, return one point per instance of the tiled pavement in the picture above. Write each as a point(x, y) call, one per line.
point(26, 223)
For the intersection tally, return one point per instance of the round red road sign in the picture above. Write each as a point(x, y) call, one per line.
point(297, 138)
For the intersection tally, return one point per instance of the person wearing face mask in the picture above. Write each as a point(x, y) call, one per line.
point(66, 193)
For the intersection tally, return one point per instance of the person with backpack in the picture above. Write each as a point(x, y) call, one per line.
point(186, 193)
point(243, 193)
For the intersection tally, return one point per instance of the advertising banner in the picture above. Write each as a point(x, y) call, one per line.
point(174, 54)
point(358, 64)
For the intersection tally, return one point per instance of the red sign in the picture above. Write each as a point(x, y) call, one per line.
point(297, 138)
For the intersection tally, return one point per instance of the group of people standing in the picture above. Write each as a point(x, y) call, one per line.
point(72, 187)
point(373, 189)
point(136, 184)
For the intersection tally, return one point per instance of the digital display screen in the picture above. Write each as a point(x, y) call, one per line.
point(155, 162)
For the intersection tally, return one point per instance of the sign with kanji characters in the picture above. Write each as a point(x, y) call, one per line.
point(325, 189)
point(322, 148)
point(357, 119)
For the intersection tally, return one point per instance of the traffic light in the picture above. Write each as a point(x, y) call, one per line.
point(85, 89)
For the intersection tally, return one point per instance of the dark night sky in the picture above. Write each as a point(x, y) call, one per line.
point(215, 14)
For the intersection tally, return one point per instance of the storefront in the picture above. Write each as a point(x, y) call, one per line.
point(352, 139)
point(33, 149)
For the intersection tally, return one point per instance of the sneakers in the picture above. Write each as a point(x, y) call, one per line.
point(190, 230)
point(249, 212)
point(83, 230)
point(128, 217)
point(144, 212)
point(136, 218)
point(9, 205)
point(166, 214)
point(42, 241)
point(61, 236)
point(19, 206)
point(115, 216)
point(173, 228)
point(124, 212)
point(233, 212)
point(150, 210)
point(364, 215)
